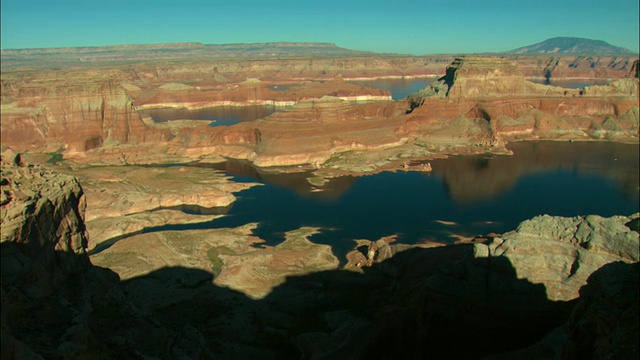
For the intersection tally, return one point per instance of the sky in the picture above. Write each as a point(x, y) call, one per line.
point(417, 27)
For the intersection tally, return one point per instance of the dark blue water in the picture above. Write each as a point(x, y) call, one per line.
point(463, 196)
point(400, 88)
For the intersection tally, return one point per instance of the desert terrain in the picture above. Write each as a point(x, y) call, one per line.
point(91, 186)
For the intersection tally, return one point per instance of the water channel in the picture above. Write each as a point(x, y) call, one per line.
point(462, 196)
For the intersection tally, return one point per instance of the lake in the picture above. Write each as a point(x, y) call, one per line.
point(400, 88)
point(216, 116)
point(462, 196)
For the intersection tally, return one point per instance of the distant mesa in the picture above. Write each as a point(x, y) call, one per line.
point(168, 50)
point(572, 45)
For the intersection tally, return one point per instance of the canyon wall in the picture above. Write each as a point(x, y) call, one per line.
point(89, 113)
point(76, 112)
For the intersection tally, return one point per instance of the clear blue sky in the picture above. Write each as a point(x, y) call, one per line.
point(410, 26)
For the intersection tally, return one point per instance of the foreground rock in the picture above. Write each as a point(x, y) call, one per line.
point(54, 302)
point(521, 290)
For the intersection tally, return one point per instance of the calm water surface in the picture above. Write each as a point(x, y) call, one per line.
point(400, 88)
point(216, 116)
point(463, 196)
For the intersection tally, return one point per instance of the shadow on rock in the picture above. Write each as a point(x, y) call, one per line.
point(438, 302)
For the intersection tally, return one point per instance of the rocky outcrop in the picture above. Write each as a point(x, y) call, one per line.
point(54, 302)
point(511, 108)
point(604, 323)
point(462, 294)
point(472, 77)
point(43, 223)
point(585, 244)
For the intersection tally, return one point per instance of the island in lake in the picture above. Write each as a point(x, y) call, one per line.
point(301, 200)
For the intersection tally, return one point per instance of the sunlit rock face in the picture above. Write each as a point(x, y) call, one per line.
point(309, 132)
point(495, 91)
point(42, 220)
point(76, 113)
point(91, 115)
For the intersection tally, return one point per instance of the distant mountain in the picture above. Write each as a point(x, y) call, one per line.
point(571, 45)
point(75, 56)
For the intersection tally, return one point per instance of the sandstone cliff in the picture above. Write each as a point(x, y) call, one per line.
point(511, 108)
point(90, 114)
point(76, 112)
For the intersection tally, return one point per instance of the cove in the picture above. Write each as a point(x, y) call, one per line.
point(216, 116)
point(400, 88)
point(463, 196)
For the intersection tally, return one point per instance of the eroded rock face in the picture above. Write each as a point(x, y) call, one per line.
point(310, 132)
point(73, 114)
point(561, 253)
point(42, 219)
point(90, 115)
point(54, 302)
point(495, 92)
point(604, 323)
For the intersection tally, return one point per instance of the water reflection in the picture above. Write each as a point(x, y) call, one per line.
point(462, 197)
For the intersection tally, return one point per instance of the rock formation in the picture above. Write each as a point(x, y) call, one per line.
point(50, 112)
point(54, 302)
point(494, 95)
point(90, 115)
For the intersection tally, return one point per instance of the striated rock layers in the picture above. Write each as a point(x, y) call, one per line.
point(47, 113)
point(91, 113)
point(309, 132)
point(480, 101)
point(494, 95)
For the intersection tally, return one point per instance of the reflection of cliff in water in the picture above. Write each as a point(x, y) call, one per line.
point(296, 179)
point(474, 178)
